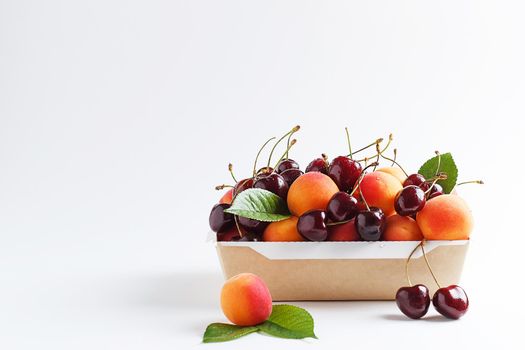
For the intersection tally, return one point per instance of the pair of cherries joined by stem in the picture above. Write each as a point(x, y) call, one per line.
point(414, 300)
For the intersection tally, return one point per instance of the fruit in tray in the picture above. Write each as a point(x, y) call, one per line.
point(350, 198)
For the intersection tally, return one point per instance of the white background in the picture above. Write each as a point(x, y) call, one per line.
point(117, 119)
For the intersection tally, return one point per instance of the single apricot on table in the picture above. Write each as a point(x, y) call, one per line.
point(312, 190)
point(246, 300)
point(283, 231)
point(402, 228)
point(445, 217)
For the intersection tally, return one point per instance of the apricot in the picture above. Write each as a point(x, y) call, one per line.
point(283, 231)
point(445, 217)
point(227, 197)
point(394, 171)
point(379, 190)
point(312, 190)
point(343, 232)
point(402, 228)
point(246, 300)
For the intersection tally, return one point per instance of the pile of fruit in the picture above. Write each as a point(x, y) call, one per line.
point(350, 198)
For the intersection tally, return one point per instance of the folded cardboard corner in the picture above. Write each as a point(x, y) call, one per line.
point(341, 270)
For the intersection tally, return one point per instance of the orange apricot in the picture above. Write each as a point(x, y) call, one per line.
point(379, 190)
point(227, 197)
point(246, 300)
point(445, 217)
point(402, 228)
point(312, 190)
point(283, 231)
point(394, 171)
point(343, 232)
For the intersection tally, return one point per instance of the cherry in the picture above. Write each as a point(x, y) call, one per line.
point(312, 225)
point(264, 171)
point(291, 175)
point(342, 207)
point(219, 220)
point(252, 226)
point(370, 224)
point(318, 164)
point(345, 172)
point(413, 301)
point(274, 183)
point(414, 179)
point(435, 191)
point(451, 302)
point(230, 234)
point(409, 200)
point(250, 237)
point(242, 185)
point(286, 164)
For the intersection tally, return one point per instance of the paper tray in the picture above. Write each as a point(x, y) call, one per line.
point(342, 270)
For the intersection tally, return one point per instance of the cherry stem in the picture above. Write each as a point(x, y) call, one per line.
point(257, 157)
point(285, 154)
point(349, 144)
point(358, 183)
point(360, 178)
point(395, 156)
point(338, 222)
point(366, 147)
point(378, 141)
point(439, 162)
point(479, 182)
point(279, 141)
point(440, 176)
point(289, 138)
point(237, 224)
point(230, 169)
point(221, 187)
point(406, 264)
point(428, 264)
point(392, 160)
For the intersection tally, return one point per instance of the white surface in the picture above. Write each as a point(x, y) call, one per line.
point(117, 119)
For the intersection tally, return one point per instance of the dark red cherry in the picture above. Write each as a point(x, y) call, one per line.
point(274, 183)
point(435, 191)
point(264, 171)
point(414, 179)
point(409, 200)
point(370, 224)
point(342, 207)
point(413, 301)
point(312, 225)
point(229, 234)
point(291, 175)
point(242, 185)
point(318, 164)
point(219, 220)
point(286, 164)
point(451, 301)
point(253, 226)
point(345, 172)
point(250, 237)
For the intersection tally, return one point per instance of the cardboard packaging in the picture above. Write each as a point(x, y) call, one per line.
point(342, 270)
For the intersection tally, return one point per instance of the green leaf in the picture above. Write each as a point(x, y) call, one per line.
point(259, 204)
point(219, 332)
point(288, 321)
point(447, 166)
